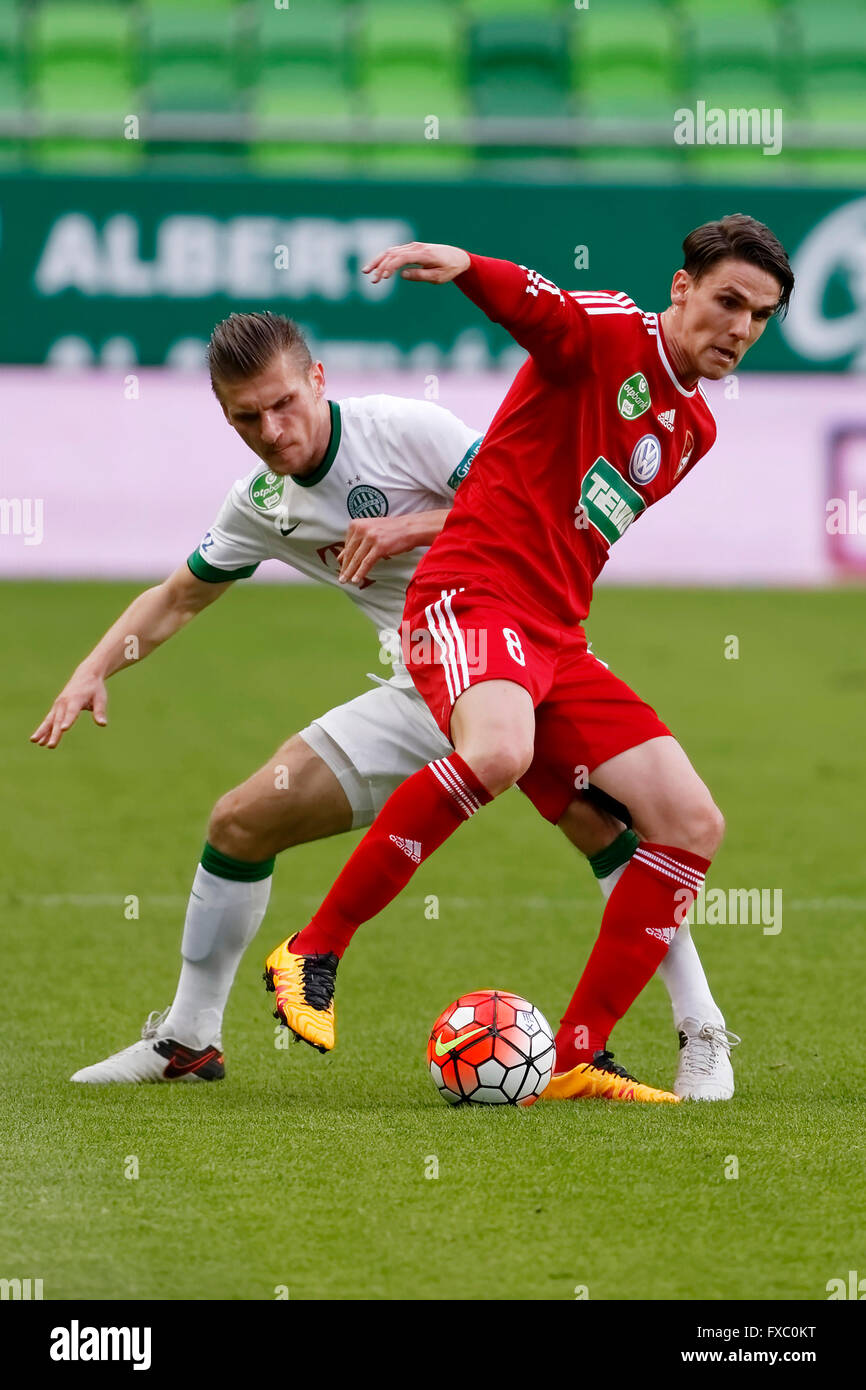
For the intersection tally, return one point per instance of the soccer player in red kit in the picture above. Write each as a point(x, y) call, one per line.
point(605, 418)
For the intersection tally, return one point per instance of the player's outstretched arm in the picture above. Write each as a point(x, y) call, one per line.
point(370, 539)
point(423, 260)
point(148, 621)
point(539, 316)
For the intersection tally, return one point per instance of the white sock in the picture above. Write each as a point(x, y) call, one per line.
point(222, 918)
point(681, 971)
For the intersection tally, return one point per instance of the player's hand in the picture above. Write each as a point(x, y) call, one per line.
point(370, 539)
point(83, 691)
point(428, 261)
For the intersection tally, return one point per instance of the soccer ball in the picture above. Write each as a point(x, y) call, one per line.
point(491, 1048)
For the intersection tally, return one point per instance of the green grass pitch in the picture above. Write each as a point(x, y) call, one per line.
point(310, 1173)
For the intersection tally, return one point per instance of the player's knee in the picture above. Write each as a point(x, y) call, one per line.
point(704, 828)
point(228, 831)
point(499, 765)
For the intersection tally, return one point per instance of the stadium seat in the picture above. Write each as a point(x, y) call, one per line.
point(298, 93)
point(11, 101)
point(735, 11)
point(520, 67)
point(512, 9)
point(405, 91)
point(715, 47)
point(86, 88)
point(316, 32)
point(11, 29)
point(179, 33)
point(638, 96)
point(71, 30)
point(834, 164)
point(830, 39)
point(631, 34)
point(432, 32)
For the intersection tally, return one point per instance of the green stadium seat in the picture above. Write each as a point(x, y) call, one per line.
point(11, 28)
point(520, 67)
point(297, 93)
point(206, 85)
point(179, 33)
point(411, 92)
point(206, 8)
point(203, 88)
point(735, 11)
point(715, 45)
point(82, 30)
point(512, 9)
point(632, 33)
point(830, 40)
point(432, 32)
point(644, 96)
point(85, 88)
point(317, 32)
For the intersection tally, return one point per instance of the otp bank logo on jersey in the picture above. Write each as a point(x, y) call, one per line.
point(609, 503)
point(266, 491)
point(634, 397)
point(645, 461)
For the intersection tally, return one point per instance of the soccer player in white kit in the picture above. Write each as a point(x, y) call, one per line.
point(341, 488)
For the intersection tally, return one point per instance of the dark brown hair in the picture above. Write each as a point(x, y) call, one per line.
point(244, 344)
point(745, 239)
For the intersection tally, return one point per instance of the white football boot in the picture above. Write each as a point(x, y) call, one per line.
point(157, 1058)
point(705, 1071)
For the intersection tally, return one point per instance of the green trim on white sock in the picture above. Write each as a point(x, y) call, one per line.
point(241, 870)
point(615, 855)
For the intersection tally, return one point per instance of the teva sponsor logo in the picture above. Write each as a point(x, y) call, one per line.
point(634, 397)
point(609, 503)
point(645, 461)
point(77, 1343)
point(366, 501)
point(266, 491)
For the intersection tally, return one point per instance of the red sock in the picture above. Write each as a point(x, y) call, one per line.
point(415, 820)
point(641, 916)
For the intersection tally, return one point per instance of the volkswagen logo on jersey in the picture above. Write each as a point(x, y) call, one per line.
point(645, 461)
point(367, 501)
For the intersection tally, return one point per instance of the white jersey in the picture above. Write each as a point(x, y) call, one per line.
point(387, 456)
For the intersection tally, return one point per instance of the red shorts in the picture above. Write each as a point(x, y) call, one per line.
point(584, 715)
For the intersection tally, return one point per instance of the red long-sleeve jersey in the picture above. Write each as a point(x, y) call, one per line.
point(594, 429)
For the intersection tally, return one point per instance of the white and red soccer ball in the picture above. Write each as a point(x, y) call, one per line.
point(491, 1048)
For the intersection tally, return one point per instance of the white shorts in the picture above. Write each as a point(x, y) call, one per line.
point(373, 743)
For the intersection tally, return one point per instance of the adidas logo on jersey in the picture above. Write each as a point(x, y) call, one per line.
point(667, 419)
point(412, 848)
point(665, 934)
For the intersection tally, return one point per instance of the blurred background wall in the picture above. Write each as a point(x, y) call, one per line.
point(163, 162)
